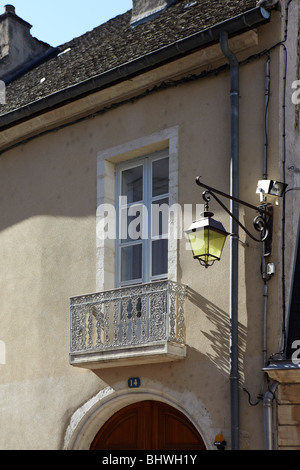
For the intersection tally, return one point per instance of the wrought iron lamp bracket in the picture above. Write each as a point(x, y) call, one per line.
point(262, 222)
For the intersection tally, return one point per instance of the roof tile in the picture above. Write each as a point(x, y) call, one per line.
point(115, 43)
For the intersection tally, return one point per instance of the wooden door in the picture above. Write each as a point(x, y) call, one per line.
point(148, 425)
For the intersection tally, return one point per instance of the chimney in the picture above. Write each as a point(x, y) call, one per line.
point(145, 10)
point(17, 46)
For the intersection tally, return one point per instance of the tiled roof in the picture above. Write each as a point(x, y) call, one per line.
point(115, 43)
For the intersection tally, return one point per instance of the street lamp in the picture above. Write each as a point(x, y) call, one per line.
point(207, 236)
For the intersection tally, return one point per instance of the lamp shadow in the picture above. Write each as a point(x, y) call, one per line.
point(219, 334)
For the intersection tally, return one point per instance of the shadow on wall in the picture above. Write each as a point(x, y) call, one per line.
point(219, 335)
point(40, 178)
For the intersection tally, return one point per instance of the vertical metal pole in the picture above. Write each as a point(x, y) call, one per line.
point(234, 228)
point(268, 415)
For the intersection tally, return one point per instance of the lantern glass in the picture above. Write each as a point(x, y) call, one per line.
point(207, 239)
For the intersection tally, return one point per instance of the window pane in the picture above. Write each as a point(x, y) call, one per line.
point(132, 184)
point(160, 217)
point(159, 257)
point(131, 262)
point(160, 177)
point(131, 223)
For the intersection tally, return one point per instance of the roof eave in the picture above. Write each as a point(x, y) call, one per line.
point(250, 19)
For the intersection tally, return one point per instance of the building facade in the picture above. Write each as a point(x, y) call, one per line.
point(112, 335)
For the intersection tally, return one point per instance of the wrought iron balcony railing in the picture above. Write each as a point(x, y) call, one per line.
point(134, 324)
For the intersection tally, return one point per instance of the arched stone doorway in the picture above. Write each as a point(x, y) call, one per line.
point(148, 425)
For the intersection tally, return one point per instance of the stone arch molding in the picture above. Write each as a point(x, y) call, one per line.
point(89, 418)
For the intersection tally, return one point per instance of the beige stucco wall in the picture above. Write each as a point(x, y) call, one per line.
point(48, 200)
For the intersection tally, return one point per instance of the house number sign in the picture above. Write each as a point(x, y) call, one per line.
point(134, 382)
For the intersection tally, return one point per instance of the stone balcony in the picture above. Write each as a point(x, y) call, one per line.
point(137, 324)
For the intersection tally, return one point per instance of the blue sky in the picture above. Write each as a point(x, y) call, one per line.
point(58, 21)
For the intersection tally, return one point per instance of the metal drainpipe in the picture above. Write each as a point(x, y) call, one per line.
point(265, 176)
point(234, 191)
point(268, 415)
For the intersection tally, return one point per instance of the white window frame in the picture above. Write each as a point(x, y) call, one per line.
point(147, 237)
point(106, 194)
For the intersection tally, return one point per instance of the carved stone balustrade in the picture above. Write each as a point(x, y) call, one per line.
point(130, 325)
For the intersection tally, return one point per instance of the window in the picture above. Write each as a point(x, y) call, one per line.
point(110, 164)
point(142, 213)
